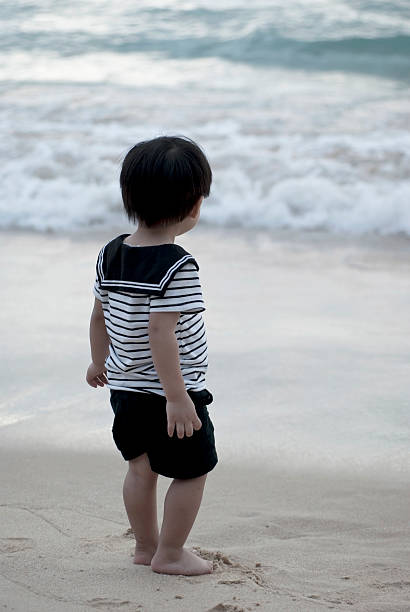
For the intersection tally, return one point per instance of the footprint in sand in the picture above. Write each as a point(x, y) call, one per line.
point(219, 560)
point(107, 543)
point(281, 532)
point(221, 607)
point(399, 584)
point(101, 602)
point(222, 563)
point(12, 545)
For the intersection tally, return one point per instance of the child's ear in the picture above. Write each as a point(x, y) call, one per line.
point(194, 212)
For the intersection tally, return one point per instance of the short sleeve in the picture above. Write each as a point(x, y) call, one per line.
point(183, 293)
point(100, 294)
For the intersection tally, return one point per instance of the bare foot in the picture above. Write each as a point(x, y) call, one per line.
point(180, 562)
point(143, 557)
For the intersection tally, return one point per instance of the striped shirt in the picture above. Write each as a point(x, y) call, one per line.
point(133, 281)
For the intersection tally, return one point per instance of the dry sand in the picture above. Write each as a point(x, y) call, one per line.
point(278, 541)
point(281, 539)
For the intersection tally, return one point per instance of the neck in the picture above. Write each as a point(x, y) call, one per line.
point(151, 236)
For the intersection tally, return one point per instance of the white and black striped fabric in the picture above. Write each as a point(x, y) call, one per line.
point(131, 282)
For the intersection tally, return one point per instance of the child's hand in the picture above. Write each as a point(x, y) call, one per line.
point(96, 375)
point(182, 415)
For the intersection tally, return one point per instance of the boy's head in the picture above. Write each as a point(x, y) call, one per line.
point(162, 180)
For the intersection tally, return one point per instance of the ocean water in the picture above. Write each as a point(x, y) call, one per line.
point(303, 108)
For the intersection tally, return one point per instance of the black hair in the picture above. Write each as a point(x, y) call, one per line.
point(162, 179)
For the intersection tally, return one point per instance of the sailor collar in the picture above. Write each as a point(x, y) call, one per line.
point(139, 269)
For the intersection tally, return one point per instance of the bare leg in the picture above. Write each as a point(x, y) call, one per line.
point(140, 500)
point(181, 506)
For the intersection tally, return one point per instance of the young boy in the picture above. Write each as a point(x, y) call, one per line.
point(148, 344)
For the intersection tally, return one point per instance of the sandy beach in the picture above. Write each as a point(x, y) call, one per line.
point(308, 508)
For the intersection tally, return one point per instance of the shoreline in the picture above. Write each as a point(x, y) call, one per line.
point(251, 234)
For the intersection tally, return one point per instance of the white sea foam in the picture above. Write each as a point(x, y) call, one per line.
point(62, 174)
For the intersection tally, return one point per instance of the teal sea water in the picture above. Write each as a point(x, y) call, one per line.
point(302, 108)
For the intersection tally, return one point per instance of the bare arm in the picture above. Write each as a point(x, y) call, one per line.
point(181, 411)
point(99, 342)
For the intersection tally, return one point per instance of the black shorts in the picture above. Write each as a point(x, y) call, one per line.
point(140, 426)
